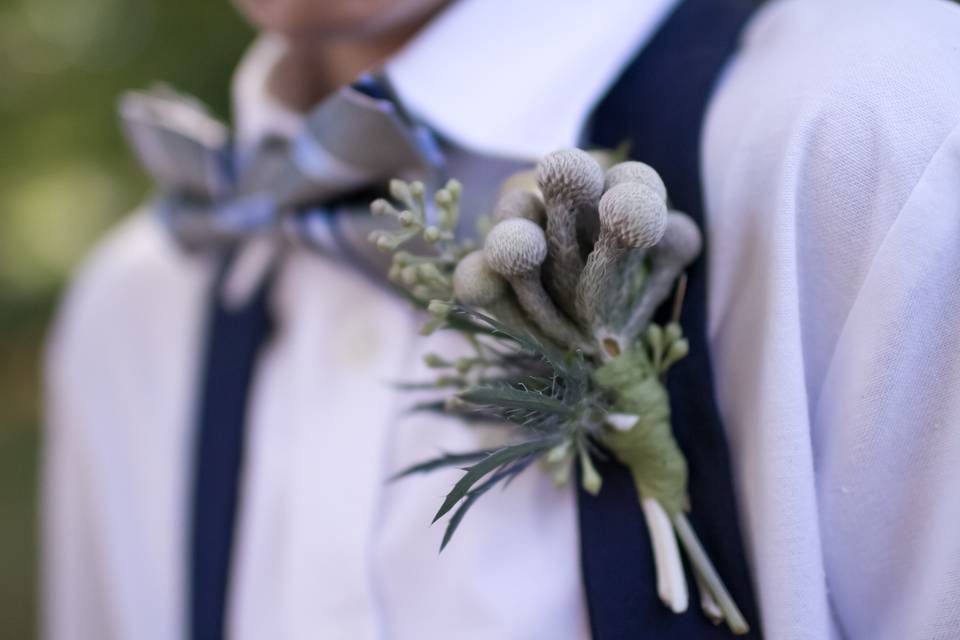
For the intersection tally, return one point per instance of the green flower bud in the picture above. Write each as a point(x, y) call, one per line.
point(422, 292)
point(561, 474)
point(409, 276)
point(654, 336)
point(407, 218)
point(439, 308)
point(431, 325)
point(558, 453)
point(672, 332)
point(429, 271)
point(381, 207)
point(455, 188)
point(400, 190)
point(431, 234)
point(591, 480)
point(676, 351)
point(453, 404)
point(434, 361)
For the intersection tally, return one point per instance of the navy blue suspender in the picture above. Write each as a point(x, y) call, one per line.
point(658, 105)
point(234, 340)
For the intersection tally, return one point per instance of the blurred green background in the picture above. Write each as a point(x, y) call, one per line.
point(65, 176)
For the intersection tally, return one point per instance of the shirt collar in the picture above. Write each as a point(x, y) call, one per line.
point(500, 77)
point(257, 113)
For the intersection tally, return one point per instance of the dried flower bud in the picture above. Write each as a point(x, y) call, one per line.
point(571, 182)
point(519, 203)
point(475, 283)
point(570, 176)
point(681, 242)
point(633, 171)
point(680, 245)
point(515, 247)
point(632, 215)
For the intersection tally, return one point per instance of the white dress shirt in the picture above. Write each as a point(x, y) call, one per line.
point(831, 161)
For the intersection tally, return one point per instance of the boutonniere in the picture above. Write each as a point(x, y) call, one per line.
point(556, 298)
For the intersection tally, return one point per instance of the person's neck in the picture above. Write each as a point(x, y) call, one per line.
point(313, 68)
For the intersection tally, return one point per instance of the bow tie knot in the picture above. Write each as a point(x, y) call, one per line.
point(210, 194)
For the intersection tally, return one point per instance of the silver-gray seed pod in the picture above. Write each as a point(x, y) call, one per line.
point(681, 244)
point(475, 283)
point(515, 247)
point(571, 182)
point(633, 215)
point(520, 203)
point(570, 176)
point(633, 171)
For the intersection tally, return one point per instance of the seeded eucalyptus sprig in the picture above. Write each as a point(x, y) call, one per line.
point(557, 308)
point(426, 275)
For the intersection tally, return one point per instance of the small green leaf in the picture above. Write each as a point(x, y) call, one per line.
point(512, 398)
point(446, 460)
point(486, 465)
point(461, 511)
point(505, 475)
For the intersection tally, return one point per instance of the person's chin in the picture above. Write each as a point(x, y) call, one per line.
point(299, 19)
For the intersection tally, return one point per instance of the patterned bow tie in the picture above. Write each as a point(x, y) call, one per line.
point(211, 196)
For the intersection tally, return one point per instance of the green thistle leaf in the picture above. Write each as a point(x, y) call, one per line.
point(513, 398)
point(446, 460)
point(488, 464)
point(504, 475)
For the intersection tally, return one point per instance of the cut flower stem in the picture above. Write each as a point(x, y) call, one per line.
point(708, 574)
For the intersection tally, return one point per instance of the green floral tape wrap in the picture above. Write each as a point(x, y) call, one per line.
point(648, 449)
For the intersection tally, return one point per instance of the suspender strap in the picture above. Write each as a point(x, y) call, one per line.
point(234, 340)
point(658, 105)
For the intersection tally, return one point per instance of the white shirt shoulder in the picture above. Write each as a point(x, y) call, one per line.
point(120, 372)
point(131, 288)
point(832, 190)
